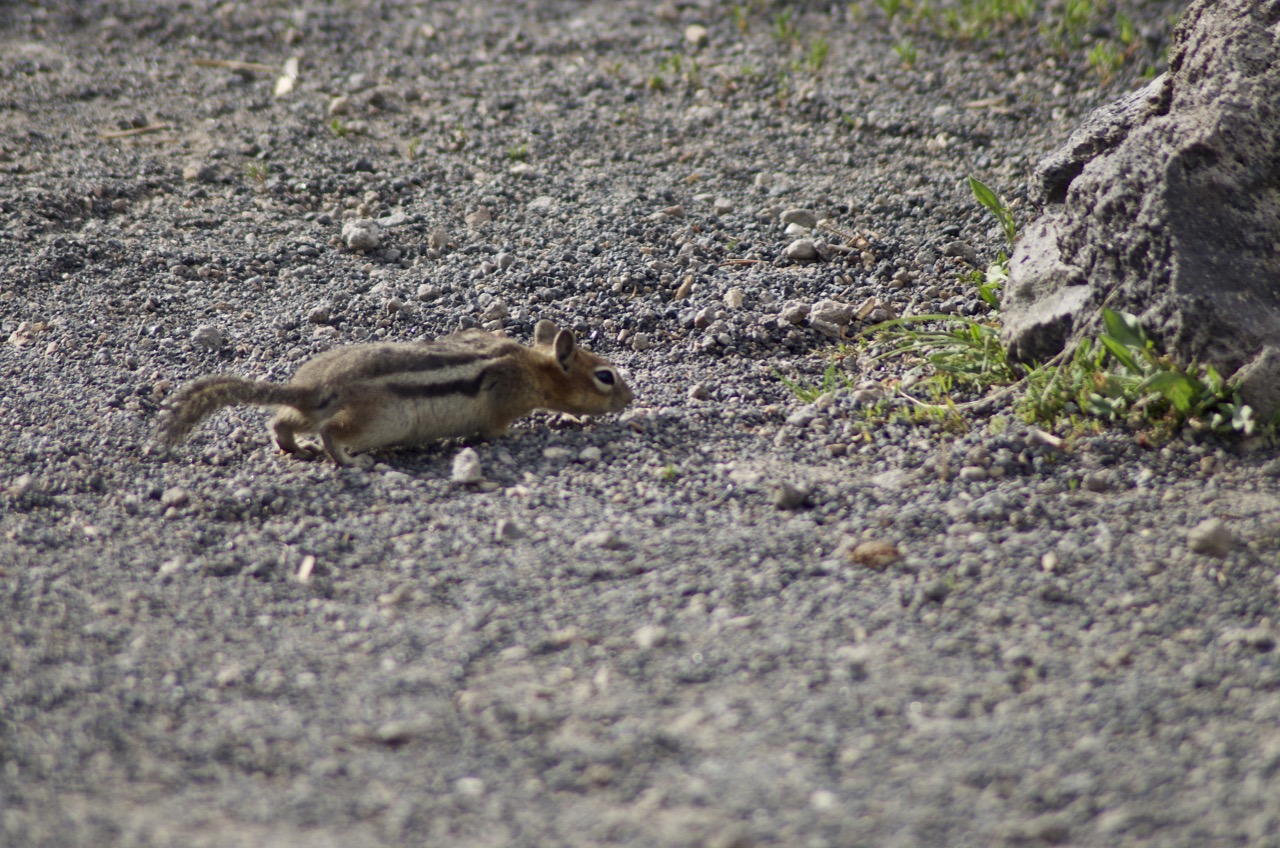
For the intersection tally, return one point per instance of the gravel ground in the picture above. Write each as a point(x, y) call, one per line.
point(724, 618)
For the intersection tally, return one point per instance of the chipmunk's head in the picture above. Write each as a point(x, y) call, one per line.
point(582, 383)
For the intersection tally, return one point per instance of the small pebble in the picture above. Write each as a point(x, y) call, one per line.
point(605, 539)
point(208, 336)
point(23, 484)
point(802, 250)
point(198, 173)
point(175, 497)
point(466, 467)
point(650, 636)
point(936, 591)
point(1211, 537)
point(794, 312)
point(789, 496)
point(1096, 482)
point(831, 312)
point(363, 234)
point(507, 530)
point(802, 217)
point(470, 787)
point(875, 554)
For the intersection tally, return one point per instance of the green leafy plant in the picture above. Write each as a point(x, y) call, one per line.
point(817, 56)
point(1117, 378)
point(258, 172)
point(891, 8)
point(985, 18)
point(784, 25)
point(676, 67)
point(961, 351)
point(833, 378)
point(339, 128)
point(1128, 33)
point(907, 53)
point(1105, 60)
point(996, 206)
point(1124, 378)
point(518, 152)
point(991, 282)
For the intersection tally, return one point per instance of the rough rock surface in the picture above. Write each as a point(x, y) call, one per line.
point(1164, 204)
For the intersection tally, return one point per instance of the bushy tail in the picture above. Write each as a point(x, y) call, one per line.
point(201, 398)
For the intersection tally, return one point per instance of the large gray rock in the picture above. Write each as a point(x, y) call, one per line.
point(1166, 204)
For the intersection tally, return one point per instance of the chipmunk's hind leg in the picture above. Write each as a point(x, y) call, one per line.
point(286, 426)
point(336, 452)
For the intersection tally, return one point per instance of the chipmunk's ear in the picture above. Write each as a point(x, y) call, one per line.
point(544, 333)
point(566, 345)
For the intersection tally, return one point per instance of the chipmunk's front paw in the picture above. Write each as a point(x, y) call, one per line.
point(305, 453)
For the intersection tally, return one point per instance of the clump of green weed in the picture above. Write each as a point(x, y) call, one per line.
point(1122, 378)
point(833, 378)
point(991, 282)
point(907, 52)
point(258, 172)
point(817, 55)
point(785, 27)
point(961, 352)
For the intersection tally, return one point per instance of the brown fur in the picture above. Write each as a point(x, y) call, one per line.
point(364, 397)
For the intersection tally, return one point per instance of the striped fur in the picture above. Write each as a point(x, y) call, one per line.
point(364, 397)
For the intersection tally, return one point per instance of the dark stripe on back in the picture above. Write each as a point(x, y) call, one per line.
point(389, 360)
point(470, 388)
point(406, 360)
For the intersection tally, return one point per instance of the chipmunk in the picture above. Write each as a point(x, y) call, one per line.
point(368, 396)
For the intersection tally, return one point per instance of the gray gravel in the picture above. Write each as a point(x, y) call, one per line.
point(724, 618)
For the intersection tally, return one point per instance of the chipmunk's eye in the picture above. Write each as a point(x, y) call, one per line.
point(605, 376)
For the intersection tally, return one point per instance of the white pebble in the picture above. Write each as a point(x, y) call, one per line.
point(802, 250)
point(208, 336)
point(832, 312)
point(363, 234)
point(466, 467)
point(471, 787)
point(1211, 537)
point(650, 636)
point(801, 217)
